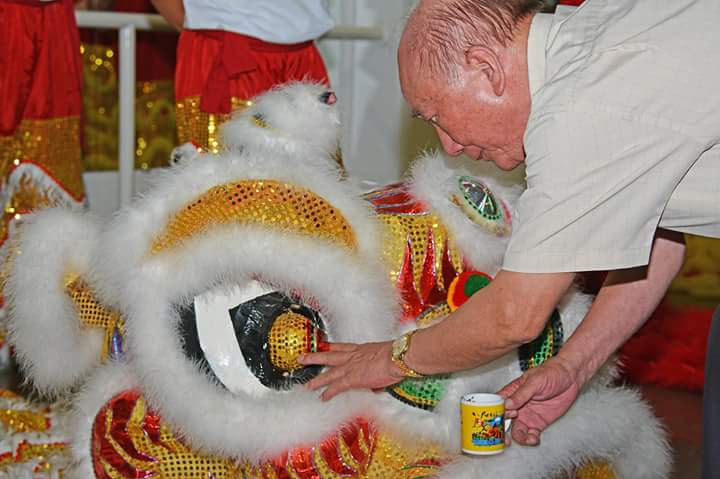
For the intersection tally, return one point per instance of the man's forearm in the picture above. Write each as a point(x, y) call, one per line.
point(624, 303)
point(510, 311)
point(172, 10)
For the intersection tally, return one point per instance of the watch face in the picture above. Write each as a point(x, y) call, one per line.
point(398, 346)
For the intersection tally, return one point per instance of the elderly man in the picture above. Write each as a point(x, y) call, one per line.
point(614, 108)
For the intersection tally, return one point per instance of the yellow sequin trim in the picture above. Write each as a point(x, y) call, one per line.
point(264, 202)
point(91, 312)
point(54, 144)
point(27, 451)
point(200, 127)
point(384, 456)
point(170, 458)
point(23, 420)
point(596, 470)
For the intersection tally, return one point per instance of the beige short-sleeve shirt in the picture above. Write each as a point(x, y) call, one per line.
point(623, 135)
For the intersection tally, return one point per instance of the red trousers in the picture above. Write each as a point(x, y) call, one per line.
point(40, 63)
point(218, 72)
point(218, 66)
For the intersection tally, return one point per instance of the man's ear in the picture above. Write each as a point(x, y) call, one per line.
point(485, 61)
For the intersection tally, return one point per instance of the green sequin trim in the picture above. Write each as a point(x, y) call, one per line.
point(544, 346)
point(480, 198)
point(423, 393)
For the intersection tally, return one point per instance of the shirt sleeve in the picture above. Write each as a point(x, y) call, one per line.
point(597, 186)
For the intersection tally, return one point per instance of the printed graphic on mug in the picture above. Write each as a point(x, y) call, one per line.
point(483, 423)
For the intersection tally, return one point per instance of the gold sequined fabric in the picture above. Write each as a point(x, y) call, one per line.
point(422, 232)
point(596, 470)
point(131, 441)
point(29, 440)
point(202, 128)
point(54, 144)
point(165, 456)
point(269, 203)
point(40, 167)
point(91, 312)
point(23, 420)
point(384, 457)
point(290, 336)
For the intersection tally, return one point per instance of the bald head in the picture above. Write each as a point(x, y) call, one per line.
point(438, 32)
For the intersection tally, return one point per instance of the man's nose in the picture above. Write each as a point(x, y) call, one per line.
point(450, 146)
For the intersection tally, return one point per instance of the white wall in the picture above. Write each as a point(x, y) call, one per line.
point(380, 138)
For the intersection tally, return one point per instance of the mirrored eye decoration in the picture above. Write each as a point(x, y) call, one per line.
point(236, 340)
point(482, 207)
point(273, 331)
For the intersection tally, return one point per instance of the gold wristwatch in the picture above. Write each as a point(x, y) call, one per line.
point(399, 349)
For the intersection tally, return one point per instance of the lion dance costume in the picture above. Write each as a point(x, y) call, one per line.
point(40, 87)
point(182, 319)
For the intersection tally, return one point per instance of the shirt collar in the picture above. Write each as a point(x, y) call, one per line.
point(537, 39)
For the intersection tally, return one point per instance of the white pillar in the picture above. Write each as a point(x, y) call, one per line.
point(126, 143)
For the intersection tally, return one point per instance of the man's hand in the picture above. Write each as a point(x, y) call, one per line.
point(538, 398)
point(354, 366)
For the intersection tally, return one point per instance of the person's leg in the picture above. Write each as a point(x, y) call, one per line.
point(711, 404)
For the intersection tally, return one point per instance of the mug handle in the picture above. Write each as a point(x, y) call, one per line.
point(508, 423)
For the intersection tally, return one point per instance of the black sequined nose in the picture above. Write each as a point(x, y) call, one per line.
point(328, 97)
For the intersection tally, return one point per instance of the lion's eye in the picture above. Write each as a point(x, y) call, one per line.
point(244, 335)
point(328, 97)
point(481, 205)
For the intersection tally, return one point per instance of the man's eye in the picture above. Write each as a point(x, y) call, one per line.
point(433, 119)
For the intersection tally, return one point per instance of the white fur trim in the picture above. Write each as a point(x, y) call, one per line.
point(299, 124)
point(612, 424)
point(343, 285)
point(127, 239)
point(53, 348)
point(434, 181)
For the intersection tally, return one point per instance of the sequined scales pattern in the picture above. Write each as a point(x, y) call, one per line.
point(290, 336)
point(30, 438)
point(268, 203)
point(93, 314)
point(595, 470)
point(544, 346)
point(130, 441)
point(423, 393)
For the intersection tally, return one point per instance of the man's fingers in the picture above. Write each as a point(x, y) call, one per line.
point(510, 388)
point(325, 378)
point(523, 390)
point(328, 358)
point(334, 389)
point(519, 432)
point(533, 437)
point(522, 434)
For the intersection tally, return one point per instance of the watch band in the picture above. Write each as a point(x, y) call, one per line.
point(400, 348)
